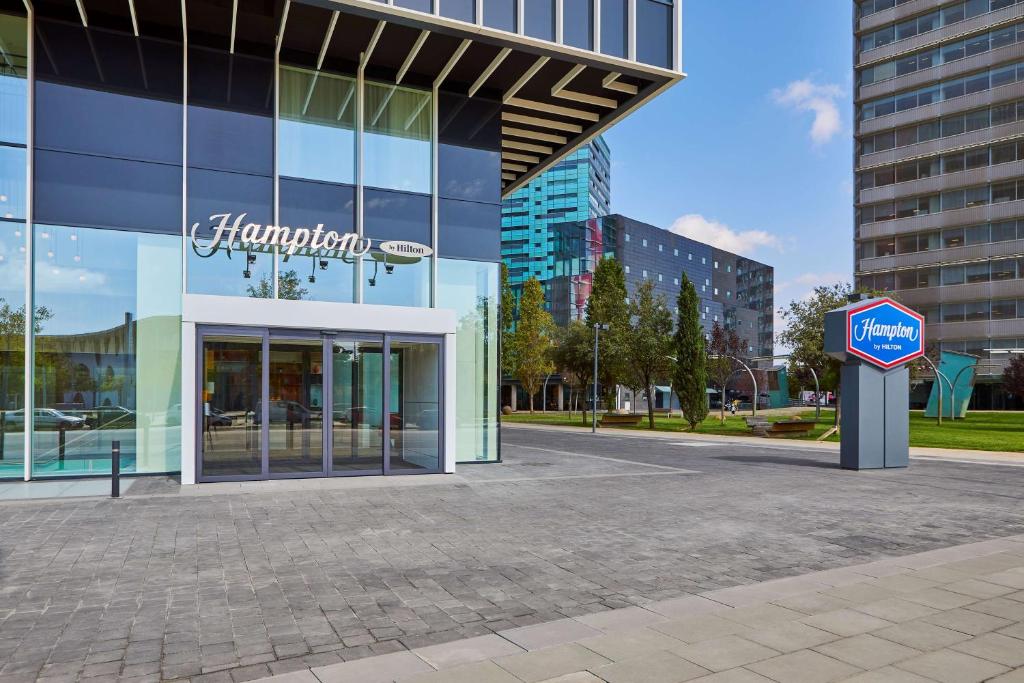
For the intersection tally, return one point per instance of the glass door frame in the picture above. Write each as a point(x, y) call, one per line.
point(327, 338)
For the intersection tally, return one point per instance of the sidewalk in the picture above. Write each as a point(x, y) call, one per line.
point(948, 454)
point(954, 615)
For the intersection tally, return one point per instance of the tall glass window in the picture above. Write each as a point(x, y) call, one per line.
point(614, 23)
point(107, 351)
point(396, 138)
point(578, 23)
point(654, 32)
point(231, 168)
point(500, 14)
point(316, 127)
point(108, 113)
point(13, 90)
point(539, 18)
point(471, 289)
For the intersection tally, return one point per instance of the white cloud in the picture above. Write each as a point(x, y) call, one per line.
point(801, 286)
point(806, 95)
point(720, 235)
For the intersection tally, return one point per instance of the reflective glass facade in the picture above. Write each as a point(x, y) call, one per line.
point(575, 189)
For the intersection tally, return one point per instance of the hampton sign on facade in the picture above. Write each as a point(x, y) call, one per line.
point(229, 234)
point(885, 333)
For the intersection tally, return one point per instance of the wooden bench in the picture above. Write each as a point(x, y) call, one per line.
point(613, 419)
point(789, 427)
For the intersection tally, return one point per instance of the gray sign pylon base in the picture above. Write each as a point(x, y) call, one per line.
point(875, 421)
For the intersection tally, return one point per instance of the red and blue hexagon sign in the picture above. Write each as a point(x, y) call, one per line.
point(884, 333)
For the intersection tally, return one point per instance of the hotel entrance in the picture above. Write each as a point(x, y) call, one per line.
point(276, 404)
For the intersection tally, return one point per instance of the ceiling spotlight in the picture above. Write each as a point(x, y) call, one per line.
point(247, 273)
point(251, 258)
point(373, 281)
point(389, 268)
point(312, 279)
point(323, 264)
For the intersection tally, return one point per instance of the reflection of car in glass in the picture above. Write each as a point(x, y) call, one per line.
point(44, 418)
point(291, 412)
point(217, 418)
point(111, 417)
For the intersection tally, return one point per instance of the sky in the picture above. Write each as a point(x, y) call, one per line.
point(752, 152)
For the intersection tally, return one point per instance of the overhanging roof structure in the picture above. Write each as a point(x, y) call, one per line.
point(551, 97)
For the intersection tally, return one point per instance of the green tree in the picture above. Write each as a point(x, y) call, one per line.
point(532, 340)
point(1013, 377)
point(723, 350)
point(650, 347)
point(573, 356)
point(507, 321)
point(804, 333)
point(608, 305)
point(288, 287)
point(691, 375)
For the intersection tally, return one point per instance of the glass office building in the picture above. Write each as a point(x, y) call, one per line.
point(254, 240)
point(574, 189)
point(939, 166)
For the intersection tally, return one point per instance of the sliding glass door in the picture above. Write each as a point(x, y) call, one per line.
point(278, 404)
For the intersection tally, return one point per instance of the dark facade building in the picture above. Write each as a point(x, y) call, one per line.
point(939, 163)
point(734, 290)
point(261, 239)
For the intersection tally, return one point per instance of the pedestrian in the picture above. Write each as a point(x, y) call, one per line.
point(732, 407)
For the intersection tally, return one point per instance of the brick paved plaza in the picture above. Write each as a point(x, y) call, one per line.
point(235, 585)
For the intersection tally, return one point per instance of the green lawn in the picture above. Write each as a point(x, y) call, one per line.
point(983, 431)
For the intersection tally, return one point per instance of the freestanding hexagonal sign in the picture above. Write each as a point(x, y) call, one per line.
point(884, 333)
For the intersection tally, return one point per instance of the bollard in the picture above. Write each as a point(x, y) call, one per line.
point(62, 440)
point(115, 469)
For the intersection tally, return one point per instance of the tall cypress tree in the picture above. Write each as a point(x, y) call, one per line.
point(507, 322)
point(691, 377)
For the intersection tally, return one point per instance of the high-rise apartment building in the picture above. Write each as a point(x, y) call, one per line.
point(939, 164)
point(574, 189)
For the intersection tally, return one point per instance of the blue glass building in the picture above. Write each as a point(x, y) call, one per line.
point(574, 189)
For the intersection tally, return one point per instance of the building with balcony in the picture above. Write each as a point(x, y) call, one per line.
point(939, 165)
point(260, 239)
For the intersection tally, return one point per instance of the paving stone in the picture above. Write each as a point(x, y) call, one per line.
point(789, 636)
point(578, 677)
point(994, 647)
point(727, 652)
point(628, 617)
point(382, 669)
point(888, 674)
point(896, 610)
point(548, 634)
point(621, 645)
point(761, 615)
point(921, 635)
point(696, 629)
point(966, 621)
point(846, 622)
point(804, 666)
point(660, 667)
point(977, 588)
point(466, 651)
point(475, 672)
point(1016, 676)
point(549, 662)
point(866, 651)
point(947, 666)
point(739, 675)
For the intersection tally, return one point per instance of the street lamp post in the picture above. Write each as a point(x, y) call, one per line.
point(753, 404)
point(593, 416)
point(939, 377)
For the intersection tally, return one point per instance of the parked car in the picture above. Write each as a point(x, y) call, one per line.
point(44, 419)
point(217, 418)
